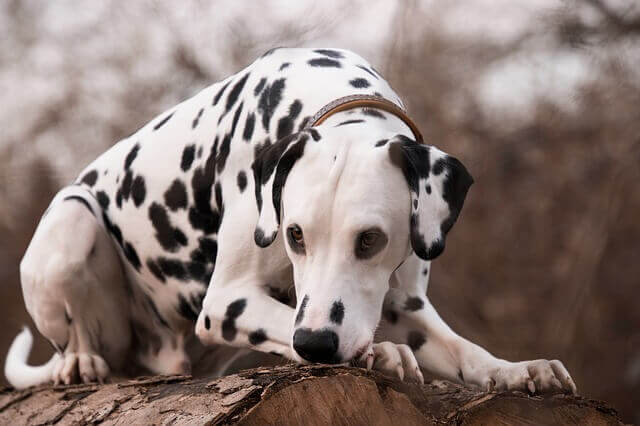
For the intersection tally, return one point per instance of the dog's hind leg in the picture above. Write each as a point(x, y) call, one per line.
point(75, 290)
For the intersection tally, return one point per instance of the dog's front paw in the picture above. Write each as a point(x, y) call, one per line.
point(541, 376)
point(80, 367)
point(393, 359)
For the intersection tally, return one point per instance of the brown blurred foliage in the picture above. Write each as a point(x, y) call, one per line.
point(543, 261)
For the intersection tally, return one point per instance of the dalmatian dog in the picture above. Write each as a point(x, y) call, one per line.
point(197, 223)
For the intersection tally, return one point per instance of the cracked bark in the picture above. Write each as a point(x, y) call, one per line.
point(310, 395)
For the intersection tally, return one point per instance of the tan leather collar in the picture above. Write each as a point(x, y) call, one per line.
point(364, 101)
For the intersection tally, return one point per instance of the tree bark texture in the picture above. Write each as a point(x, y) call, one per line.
point(292, 395)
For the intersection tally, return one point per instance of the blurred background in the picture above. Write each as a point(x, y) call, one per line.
point(540, 99)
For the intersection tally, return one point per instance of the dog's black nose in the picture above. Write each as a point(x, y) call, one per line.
point(316, 346)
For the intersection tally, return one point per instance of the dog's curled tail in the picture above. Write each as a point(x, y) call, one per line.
point(18, 373)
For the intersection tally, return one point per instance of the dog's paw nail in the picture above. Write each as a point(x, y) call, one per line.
point(400, 372)
point(370, 359)
point(531, 386)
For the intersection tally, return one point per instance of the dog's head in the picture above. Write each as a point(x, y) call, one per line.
point(351, 210)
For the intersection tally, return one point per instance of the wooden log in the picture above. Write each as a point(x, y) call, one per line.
point(292, 395)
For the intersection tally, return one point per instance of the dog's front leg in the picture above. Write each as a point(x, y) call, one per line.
point(243, 315)
point(409, 318)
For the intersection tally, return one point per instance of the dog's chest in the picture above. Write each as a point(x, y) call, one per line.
point(166, 189)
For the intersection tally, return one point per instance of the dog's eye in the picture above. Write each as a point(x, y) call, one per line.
point(368, 240)
point(369, 243)
point(296, 239)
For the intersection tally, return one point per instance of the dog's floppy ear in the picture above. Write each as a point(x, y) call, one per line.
point(270, 170)
point(438, 184)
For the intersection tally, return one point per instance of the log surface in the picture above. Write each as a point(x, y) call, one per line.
point(288, 395)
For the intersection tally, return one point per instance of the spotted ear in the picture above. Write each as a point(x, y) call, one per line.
point(270, 170)
point(438, 184)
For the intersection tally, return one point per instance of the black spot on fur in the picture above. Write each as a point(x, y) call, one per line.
point(131, 156)
point(324, 62)
point(362, 67)
point(103, 199)
point(315, 135)
point(223, 154)
point(415, 340)
point(197, 270)
point(194, 124)
point(234, 310)
point(304, 123)
point(172, 268)
point(360, 83)
point(269, 101)
point(263, 240)
point(391, 316)
point(242, 180)
point(155, 270)
point(425, 271)
point(207, 222)
point(202, 216)
point(330, 53)
point(162, 122)
point(259, 86)
point(285, 124)
point(382, 142)
point(236, 117)
point(138, 190)
point(208, 248)
point(80, 200)
point(454, 190)
point(372, 112)
point(413, 304)
point(207, 322)
point(337, 312)
point(186, 310)
point(415, 203)
point(359, 120)
point(180, 237)
point(218, 95)
point(428, 189)
point(235, 92)
point(125, 188)
point(303, 306)
point(284, 65)
point(132, 255)
point(249, 126)
point(176, 196)
point(219, 202)
point(285, 165)
point(438, 167)
point(187, 157)
point(90, 178)
point(112, 228)
point(119, 198)
point(257, 337)
point(169, 237)
point(199, 155)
